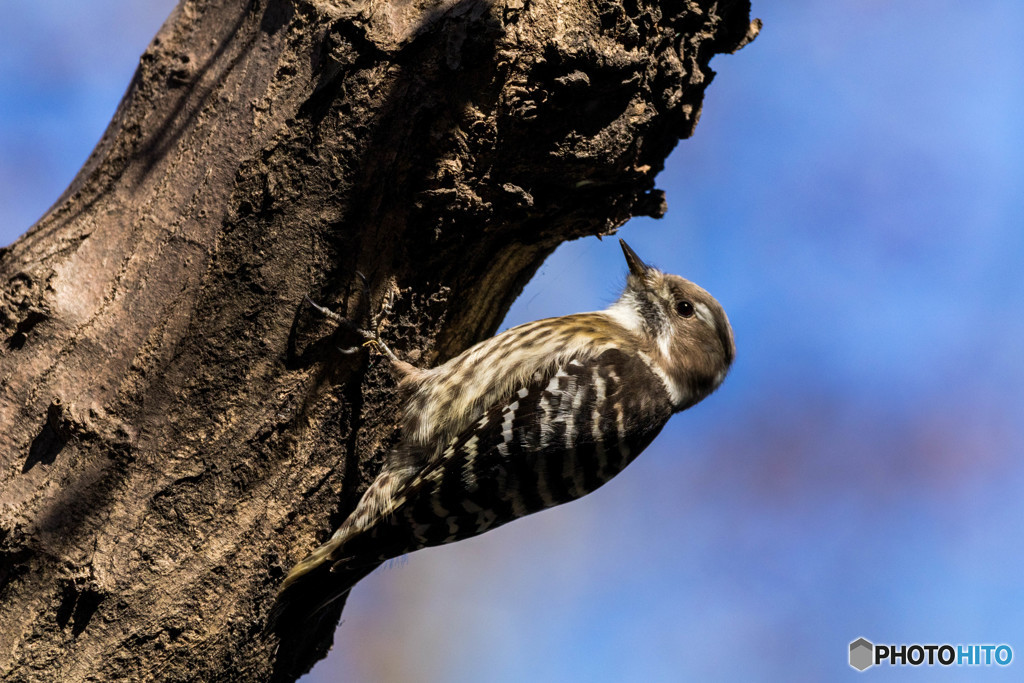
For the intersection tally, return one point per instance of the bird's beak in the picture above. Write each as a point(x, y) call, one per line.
point(636, 266)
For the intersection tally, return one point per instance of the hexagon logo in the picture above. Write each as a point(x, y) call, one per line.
point(862, 654)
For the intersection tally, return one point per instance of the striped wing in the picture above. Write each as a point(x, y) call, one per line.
point(559, 437)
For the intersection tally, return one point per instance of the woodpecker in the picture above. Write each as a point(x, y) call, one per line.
point(537, 416)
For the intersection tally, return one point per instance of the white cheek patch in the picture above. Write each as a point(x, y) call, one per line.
point(665, 341)
point(677, 394)
point(704, 313)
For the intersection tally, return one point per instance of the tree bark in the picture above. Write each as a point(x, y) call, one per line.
point(178, 427)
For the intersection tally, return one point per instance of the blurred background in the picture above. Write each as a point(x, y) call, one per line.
point(854, 197)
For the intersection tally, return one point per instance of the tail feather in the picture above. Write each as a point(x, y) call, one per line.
point(305, 616)
point(309, 590)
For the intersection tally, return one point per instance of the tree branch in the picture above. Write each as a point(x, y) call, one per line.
point(179, 428)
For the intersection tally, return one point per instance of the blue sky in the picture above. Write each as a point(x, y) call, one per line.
point(853, 196)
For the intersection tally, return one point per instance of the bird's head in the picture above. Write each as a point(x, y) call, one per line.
point(682, 328)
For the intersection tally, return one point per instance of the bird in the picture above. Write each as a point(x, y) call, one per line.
point(534, 417)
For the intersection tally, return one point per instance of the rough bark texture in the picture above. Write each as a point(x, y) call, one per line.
point(178, 428)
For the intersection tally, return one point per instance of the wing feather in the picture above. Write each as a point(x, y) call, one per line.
point(560, 435)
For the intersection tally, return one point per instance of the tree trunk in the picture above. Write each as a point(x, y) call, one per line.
point(178, 427)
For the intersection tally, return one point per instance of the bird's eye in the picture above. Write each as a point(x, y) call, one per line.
point(684, 308)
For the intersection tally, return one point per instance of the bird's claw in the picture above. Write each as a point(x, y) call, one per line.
point(371, 336)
